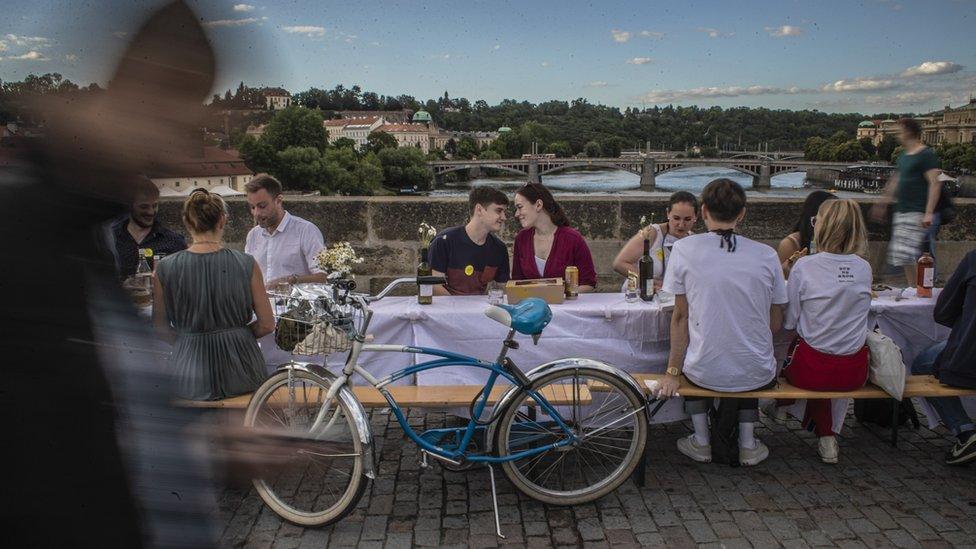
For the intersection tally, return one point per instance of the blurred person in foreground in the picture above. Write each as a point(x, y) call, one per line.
point(915, 190)
point(96, 456)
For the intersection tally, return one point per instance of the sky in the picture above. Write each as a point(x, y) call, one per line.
point(837, 56)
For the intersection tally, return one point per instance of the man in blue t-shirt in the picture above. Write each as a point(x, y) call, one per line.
point(471, 255)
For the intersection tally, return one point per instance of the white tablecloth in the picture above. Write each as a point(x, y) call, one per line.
point(632, 336)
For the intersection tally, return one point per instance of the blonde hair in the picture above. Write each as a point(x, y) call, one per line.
point(840, 228)
point(203, 211)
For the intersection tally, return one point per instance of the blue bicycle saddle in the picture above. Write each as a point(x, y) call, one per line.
point(530, 316)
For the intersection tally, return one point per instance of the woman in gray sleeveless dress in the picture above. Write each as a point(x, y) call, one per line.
point(205, 298)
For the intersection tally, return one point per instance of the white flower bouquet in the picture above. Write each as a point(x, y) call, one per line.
point(337, 260)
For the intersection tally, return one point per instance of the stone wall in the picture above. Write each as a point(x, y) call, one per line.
point(384, 229)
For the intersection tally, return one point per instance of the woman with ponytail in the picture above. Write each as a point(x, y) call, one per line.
point(205, 298)
point(546, 245)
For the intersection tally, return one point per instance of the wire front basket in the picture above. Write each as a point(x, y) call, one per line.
point(310, 320)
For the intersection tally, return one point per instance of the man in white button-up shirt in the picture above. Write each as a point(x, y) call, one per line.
point(284, 245)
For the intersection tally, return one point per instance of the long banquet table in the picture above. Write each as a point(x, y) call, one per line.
point(603, 326)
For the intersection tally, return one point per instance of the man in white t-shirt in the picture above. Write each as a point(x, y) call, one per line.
point(284, 245)
point(728, 296)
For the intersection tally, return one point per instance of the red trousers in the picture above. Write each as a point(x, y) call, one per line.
point(810, 369)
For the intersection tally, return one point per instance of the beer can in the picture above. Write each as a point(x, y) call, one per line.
point(571, 282)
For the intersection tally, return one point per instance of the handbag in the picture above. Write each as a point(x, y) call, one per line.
point(886, 369)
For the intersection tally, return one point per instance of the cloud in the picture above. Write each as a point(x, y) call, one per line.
point(231, 22)
point(620, 35)
point(29, 56)
point(309, 30)
point(30, 41)
point(640, 61)
point(714, 33)
point(932, 68)
point(783, 31)
point(596, 84)
point(377, 44)
point(861, 85)
point(71, 57)
point(651, 34)
point(496, 47)
point(909, 99)
point(3, 46)
point(243, 7)
point(670, 96)
point(544, 64)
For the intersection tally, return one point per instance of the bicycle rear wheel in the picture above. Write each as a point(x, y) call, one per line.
point(321, 475)
point(605, 414)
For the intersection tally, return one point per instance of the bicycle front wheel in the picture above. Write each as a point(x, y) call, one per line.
point(607, 419)
point(321, 475)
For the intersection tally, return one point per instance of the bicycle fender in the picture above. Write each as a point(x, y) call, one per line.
point(558, 365)
point(352, 403)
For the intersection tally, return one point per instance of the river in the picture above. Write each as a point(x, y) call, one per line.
point(620, 182)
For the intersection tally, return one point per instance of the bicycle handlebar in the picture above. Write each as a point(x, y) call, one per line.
point(405, 280)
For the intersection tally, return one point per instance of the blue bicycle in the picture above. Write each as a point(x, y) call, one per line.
point(567, 432)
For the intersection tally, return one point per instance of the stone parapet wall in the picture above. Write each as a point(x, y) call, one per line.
point(384, 229)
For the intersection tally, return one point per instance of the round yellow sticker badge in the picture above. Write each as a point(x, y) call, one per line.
point(469, 270)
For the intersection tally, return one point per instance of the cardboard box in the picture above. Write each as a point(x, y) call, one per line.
point(549, 289)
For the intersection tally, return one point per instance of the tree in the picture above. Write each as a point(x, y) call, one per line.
point(405, 167)
point(868, 146)
point(886, 147)
point(344, 143)
point(467, 148)
point(815, 148)
point(377, 141)
point(258, 155)
point(489, 155)
point(592, 149)
point(299, 168)
point(345, 173)
point(839, 137)
point(849, 151)
point(451, 146)
point(560, 148)
point(508, 145)
point(296, 127)
point(612, 146)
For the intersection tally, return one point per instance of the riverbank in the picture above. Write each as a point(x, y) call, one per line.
point(384, 229)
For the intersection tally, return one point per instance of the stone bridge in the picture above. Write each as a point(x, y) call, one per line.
point(761, 169)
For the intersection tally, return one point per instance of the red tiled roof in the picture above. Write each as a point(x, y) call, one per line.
point(337, 123)
point(215, 162)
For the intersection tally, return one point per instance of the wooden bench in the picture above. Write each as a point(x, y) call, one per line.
point(408, 396)
point(915, 386)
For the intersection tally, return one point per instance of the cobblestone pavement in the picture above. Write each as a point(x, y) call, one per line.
point(876, 497)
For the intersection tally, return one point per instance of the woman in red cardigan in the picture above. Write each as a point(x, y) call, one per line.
point(546, 245)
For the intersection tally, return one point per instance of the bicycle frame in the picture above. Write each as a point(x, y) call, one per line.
point(447, 359)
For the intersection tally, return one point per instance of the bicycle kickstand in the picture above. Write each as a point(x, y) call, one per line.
point(494, 501)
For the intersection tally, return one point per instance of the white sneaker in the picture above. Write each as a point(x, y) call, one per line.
point(753, 456)
point(689, 446)
point(828, 449)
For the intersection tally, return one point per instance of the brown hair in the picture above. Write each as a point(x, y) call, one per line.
point(143, 187)
point(263, 181)
point(203, 211)
point(840, 228)
point(911, 126)
point(486, 196)
point(724, 199)
point(537, 191)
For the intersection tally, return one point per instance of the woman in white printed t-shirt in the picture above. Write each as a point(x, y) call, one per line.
point(682, 213)
point(829, 301)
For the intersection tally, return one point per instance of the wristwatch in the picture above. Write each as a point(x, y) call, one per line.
point(672, 371)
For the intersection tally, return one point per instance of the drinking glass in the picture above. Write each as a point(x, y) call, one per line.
point(496, 293)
